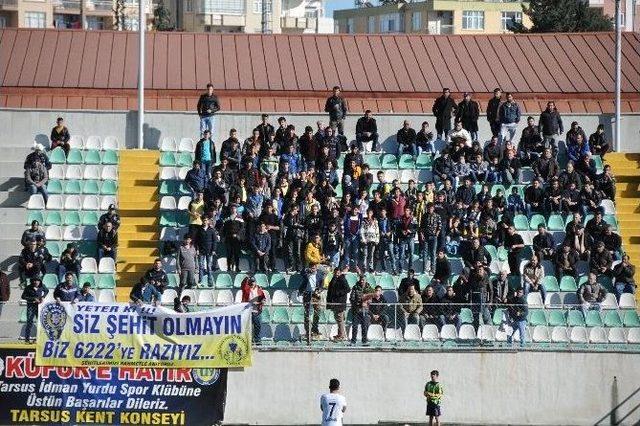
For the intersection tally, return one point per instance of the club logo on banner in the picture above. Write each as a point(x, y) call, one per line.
point(119, 334)
point(32, 394)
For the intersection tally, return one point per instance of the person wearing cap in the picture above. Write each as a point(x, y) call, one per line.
point(60, 136)
point(38, 152)
point(67, 290)
point(85, 293)
point(110, 216)
point(443, 109)
point(208, 105)
point(337, 109)
point(32, 233)
point(265, 129)
point(467, 113)
point(254, 294)
point(69, 262)
point(34, 293)
point(36, 177)
point(367, 131)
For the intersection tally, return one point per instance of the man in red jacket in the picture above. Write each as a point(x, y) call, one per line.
point(253, 293)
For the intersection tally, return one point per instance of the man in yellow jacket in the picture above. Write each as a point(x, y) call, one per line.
point(313, 252)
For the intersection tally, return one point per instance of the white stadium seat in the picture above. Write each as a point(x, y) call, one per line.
point(280, 297)
point(91, 171)
point(224, 297)
point(107, 266)
point(168, 296)
point(375, 333)
point(36, 202)
point(107, 296)
point(168, 144)
point(206, 298)
point(53, 232)
point(559, 335)
point(111, 143)
point(430, 333)
point(106, 201)
point(168, 203)
point(541, 334)
point(109, 172)
point(55, 202)
point(57, 171)
point(167, 173)
point(598, 335)
point(93, 142)
point(616, 335)
point(72, 233)
point(72, 202)
point(186, 145)
point(91, 202)
point(534, 300)
point(88, 265)
point(609, 302)
point(183, 202)
point(627, 301)
point(76, 141)
point(467, 332)
point(412, 332)
point(578, 335)
point(448, 332)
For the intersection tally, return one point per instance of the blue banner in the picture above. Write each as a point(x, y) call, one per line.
point(31, 394)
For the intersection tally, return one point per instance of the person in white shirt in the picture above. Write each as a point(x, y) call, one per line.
point(333, 405)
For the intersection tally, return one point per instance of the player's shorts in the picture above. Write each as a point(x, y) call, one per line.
point(433, 409)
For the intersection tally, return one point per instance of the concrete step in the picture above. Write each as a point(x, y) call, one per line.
point(12, 215)
point(143, 258)
point(127, 213)
point(132, 227)
point(629, 178)
point(140, 220)
point(140, 153)
point(11, 169)
point(129, 243)
point(15, 154)
point(134, 252)
point(138, 165)
point(138, 264)
point(132, 197)
point(12, 183)
point(15, 198)
point(136, 182)
point(132, 173)
point(133, 205)
point(129, 236)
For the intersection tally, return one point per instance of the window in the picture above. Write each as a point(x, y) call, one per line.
point(224, 6)
point(257, 6)
point(390, 23)
point(350, 28)
point(188, 6)
point(508, 18)
point(416, 21)
point(473, 20)
point(371, 24)
point(95, 23)
point(131, 23)
point(34, 19)
point(3, 22)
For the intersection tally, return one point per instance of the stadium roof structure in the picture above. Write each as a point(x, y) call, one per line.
point(75, 69)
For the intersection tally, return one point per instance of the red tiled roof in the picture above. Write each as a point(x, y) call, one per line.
point(265, 72)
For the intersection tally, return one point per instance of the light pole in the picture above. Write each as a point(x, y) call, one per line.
point(616, 140)
point(142, 20)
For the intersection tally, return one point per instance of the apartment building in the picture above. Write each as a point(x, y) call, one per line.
point(630, 12)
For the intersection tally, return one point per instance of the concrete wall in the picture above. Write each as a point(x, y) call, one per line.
point(22, 126)
point(550, 388)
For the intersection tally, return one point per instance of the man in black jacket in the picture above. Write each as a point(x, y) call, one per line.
point(207, 258)
point(518, 311)
point(265, 129)
point(337, 109)
point(208, 105)
point(406, 138)
point(337, 301)
point(550, 125)
point(492, 112)
point(157, 276)
point(206, 152)
point(34, 294)
point(29, 263)
point(409, 280)
point(467, 113)
point(366, 131)
point(107, 241)
point(378, 309)
point(543, 244)
point(443, 109)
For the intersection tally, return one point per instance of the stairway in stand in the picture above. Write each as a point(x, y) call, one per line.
point(626, 169)
point(138, 206)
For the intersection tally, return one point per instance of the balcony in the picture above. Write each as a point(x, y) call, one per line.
point(289, 22)
point(99, 7)
point(217, 20)
point(9, 4)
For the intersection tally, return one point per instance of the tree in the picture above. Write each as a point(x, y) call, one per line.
point(562, 16)
point(118, 15)
point(162, 18)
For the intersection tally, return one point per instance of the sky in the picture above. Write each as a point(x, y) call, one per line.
point(331, 5)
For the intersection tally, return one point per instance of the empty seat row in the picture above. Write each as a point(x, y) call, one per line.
point(575, 317)
point(168, 202)
point(570, 299)
point(86, 187)
point(174, 187)
point(68, 217)
point(77, 156)
point(71, 202)
point(170, 159)
point(94, 142)
point(173, 145)
point(71, 233)
point(75, 171)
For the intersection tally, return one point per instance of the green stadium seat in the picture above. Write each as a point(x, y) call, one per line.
point(493, 252)
point(295, 281)
point(35, 215)
point(536, 220)
point(23, 316)
point(423, 161)
point(373, 160)
point(406, 162)
point(611, 220)
point(537, 317)
point(262, 280)
point(183, 189)
point(593, 319)
point(92, 156)
point(497, 316)
point(74, 157)
point(110, 157)
point(106, 281)
point(185, 159)
point(87, 278)
point(56, 156)
point(167, 187)
point(73, 187)
point(50, 281)
point(278, 282)
point(352, 278)
point(466, 316)
point(631, 319)
point(514, 282)
point(568, 283)
point(54, 186)
point(575, 318)
point(90, 218)
point(265, 316)
point(91, 187)
point(339, 191)
point(168, 159)
point(280, 316)
point(223, 281)
point(389, 161)
point(72, 218)
point(53, 218)
point(424, 280)
point(550, 283)
point(54, 249)
point(606, 282)
point(557, 318)
point(168, 219)
point(612, 319)
point(182, 218)
point(237, 280)
point(521, 223)
point(88, 248)
point(173, 280)
point(494, 190)
point(297, 315)
point(556, 223)
point(109, 187)
point(598, 160)
point(502, 254)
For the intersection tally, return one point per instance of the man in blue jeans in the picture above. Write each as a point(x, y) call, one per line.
point(518, 312)
point(208, 105)
point(430, 229)
point(207, 258)
point(206, 152)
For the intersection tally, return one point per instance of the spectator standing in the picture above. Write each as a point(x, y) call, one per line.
point(187, 263)
point(430, 229)
point(337, 109)
point(337, 301)
point(265, 129)
point(370, 235)
point(195, 211)
point(409, 281)
point(386, 254)
point(254, 294)
point(36, 177)
point(434, 391)
point(405, 232)
point(207, 257)
point(493, 107)
point(467, 113)
point(60, 136)
point(196, 178)
point(514, 244)
point(443, 109)
point(206, 153)
point(5, 288)
point(367, 131)
point(623, 276)
point(107, 240)
point(518, 311)
point(450, 308)
point(29, 263)
point(208, 105)
point(479, 286)
point(111, 216)
point(550, 126)
point(157, 276)
point(361, 295)
point(261, 245)
point(311, 289)
point(509, 114)
point(34, 294)
point(233, 232)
